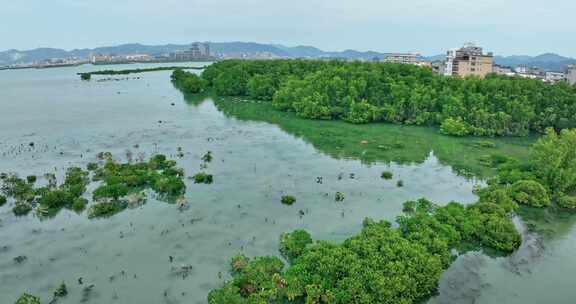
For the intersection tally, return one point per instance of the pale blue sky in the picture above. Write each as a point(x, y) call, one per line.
point(427, 26)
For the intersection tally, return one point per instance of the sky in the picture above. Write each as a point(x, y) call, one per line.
point(428, 27)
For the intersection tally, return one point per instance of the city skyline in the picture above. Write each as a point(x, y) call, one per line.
point(429, 27)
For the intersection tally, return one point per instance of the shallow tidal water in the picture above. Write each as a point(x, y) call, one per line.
point(126, 257)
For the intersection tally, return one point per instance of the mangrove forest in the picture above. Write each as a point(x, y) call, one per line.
point(362, 92)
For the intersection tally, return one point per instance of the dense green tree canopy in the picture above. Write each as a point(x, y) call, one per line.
point(549, 179)
point(404, 94)
point(554, 160)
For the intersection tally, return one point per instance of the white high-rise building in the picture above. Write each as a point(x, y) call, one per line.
point(449, 64)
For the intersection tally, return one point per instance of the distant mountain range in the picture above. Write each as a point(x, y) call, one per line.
point(546, 61)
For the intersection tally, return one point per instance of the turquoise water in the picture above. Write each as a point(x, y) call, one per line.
point(126, 257)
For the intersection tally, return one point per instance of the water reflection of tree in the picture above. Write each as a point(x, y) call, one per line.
point(550, 223)
point(379, 143)
point(192, 99)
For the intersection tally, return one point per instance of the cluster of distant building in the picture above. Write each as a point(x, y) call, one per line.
point(48, 63)
point(197, 52)
point(538, 73)
point(470, 60)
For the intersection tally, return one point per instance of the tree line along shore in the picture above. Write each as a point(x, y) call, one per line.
point(362, 92)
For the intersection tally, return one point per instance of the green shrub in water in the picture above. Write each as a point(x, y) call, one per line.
point(207, 157)
point(203, 178)
point(288, 200)
point(172, 185)
point(386, 175)
point(79, 204)
point(3, 200)
point(31, 179)
point(28, 299)
point(57, 199)
point(531, 193)
point(122, 184)
point(61, 291)
point(122, 179)
point(18, 188)
point(21, 209)
point(339, 197)
point(106, 209)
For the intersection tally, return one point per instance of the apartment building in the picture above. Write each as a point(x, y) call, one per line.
point(405, 58)
point(468, 61)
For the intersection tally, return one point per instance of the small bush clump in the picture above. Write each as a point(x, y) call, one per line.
point(106, 209)
point(56, 199)
point(79, 204)
point(386, 175)
point(21, 209)
point(207, 157)
point(203, 178)
point(28, 299)
point(61, 291)
point(288, 200)
point(531, 193)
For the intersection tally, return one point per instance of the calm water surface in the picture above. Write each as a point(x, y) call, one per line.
point(126, 257)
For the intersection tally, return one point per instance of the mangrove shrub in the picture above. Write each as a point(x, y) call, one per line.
point(288, 200)
point(28, 299)
point(531, 193)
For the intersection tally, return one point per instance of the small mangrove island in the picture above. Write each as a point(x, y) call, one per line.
point(88, 75)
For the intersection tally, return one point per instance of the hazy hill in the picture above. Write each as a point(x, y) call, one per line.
point(547, 61)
